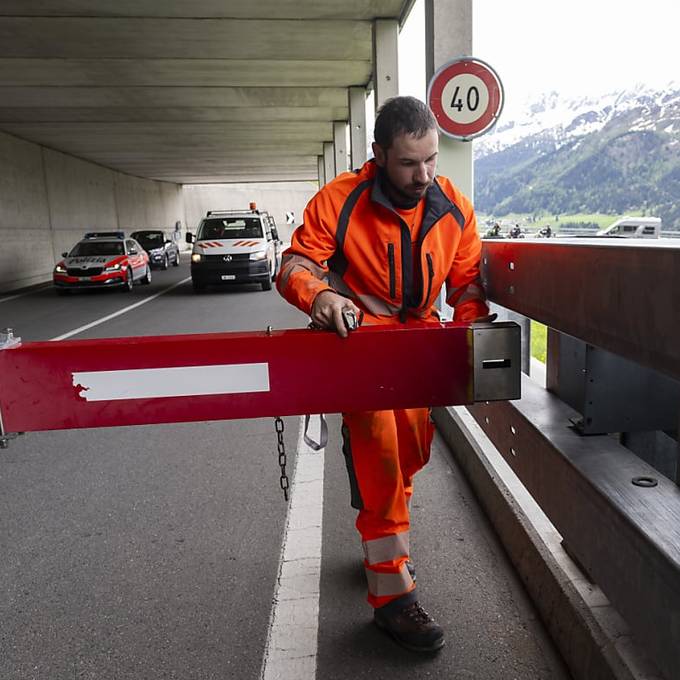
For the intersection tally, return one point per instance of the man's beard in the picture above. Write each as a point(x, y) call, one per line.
point(400, 198)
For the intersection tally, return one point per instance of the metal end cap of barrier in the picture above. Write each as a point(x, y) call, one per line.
point(496, 361)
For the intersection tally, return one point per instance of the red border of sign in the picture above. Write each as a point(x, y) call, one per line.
point(493, 83)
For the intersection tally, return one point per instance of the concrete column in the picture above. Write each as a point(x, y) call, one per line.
point(340, 146)
point(448, 35)
point(357, 126)
point(321, 172)
point(328, 161)
point(385, 60)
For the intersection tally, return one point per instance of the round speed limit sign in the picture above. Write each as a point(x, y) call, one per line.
point(466, 97)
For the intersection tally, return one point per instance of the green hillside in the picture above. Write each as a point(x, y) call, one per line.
point(616, 170)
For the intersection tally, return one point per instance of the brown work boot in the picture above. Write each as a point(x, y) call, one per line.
point(409, 624)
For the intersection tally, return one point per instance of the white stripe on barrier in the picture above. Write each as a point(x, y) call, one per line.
point(180, 381)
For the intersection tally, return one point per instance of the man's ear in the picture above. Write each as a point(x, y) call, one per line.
point(379, 154)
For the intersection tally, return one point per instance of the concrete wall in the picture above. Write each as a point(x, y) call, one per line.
point(276, 198)
point(48, 200)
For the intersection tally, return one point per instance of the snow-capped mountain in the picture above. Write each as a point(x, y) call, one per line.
point(611, 154)
point(565, 118)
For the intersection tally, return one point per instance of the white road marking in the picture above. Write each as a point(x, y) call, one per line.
point(291, 649)
point(118, 313)
point(174, 381)
point(28, 292)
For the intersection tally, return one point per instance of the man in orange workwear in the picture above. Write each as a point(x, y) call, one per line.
point(382, 241)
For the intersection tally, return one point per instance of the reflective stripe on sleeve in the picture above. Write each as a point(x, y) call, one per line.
point(291, 263)
point(469, 292)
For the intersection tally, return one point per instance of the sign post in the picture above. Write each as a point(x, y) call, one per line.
point(466, 97)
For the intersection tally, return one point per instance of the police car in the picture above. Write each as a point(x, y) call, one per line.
point(235, 246)
point(102, 260)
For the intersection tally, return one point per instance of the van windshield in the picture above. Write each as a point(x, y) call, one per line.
point(230, 227)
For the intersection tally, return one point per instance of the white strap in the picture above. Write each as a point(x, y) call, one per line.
point(323, 434)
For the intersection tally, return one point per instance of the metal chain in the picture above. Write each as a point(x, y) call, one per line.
point(281, 447)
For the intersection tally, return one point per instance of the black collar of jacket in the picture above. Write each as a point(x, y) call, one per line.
point(437, 203)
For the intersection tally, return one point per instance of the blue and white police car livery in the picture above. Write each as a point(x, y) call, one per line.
point(235, 246)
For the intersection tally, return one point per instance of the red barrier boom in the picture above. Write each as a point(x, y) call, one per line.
point(220, 376)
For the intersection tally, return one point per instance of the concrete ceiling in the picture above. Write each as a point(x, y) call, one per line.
point(186, 90)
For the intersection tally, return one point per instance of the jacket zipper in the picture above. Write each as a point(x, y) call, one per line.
point(406, 272)
point(430, 271)
point(393, 280)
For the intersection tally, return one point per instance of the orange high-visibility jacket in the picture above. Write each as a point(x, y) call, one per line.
point(354, 242)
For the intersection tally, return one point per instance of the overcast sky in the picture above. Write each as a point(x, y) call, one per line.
point(575, 47)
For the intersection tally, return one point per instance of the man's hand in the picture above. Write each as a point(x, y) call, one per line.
point(327, 311)
point(489, 318)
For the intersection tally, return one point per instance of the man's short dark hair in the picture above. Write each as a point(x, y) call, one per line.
point(402, 115)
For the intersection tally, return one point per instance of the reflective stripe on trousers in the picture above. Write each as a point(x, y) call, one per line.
point(389, 584)
point(384, 450)
point(386, 549)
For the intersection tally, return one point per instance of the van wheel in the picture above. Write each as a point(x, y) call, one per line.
point(267, 284)
point(198, 287)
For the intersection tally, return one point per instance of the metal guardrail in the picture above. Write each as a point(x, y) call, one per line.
point(619, 518)
point(620, 296)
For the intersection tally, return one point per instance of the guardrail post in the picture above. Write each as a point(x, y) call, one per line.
point(524, 323)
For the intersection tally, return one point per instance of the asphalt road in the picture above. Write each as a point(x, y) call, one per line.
point(153, 552)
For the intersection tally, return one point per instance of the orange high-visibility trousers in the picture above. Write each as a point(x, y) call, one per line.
point(383, 451)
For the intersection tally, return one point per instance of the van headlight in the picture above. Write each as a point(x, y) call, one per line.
point(259, 255)
point(196, 257)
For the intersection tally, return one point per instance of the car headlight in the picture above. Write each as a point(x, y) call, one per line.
point(60, 269)
point(155, 251)
point(196, 257)
point(259, 255)
point(112, 268)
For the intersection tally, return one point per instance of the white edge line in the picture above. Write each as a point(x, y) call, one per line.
point(118, 313)
point(290, 651)
point(27, 292)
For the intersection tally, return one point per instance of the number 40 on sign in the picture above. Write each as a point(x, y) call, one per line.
point(466, 97)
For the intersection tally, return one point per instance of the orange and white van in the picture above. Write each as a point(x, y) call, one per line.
point(235, 246)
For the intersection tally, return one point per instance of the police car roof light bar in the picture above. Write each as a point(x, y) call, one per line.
point(105, 234)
